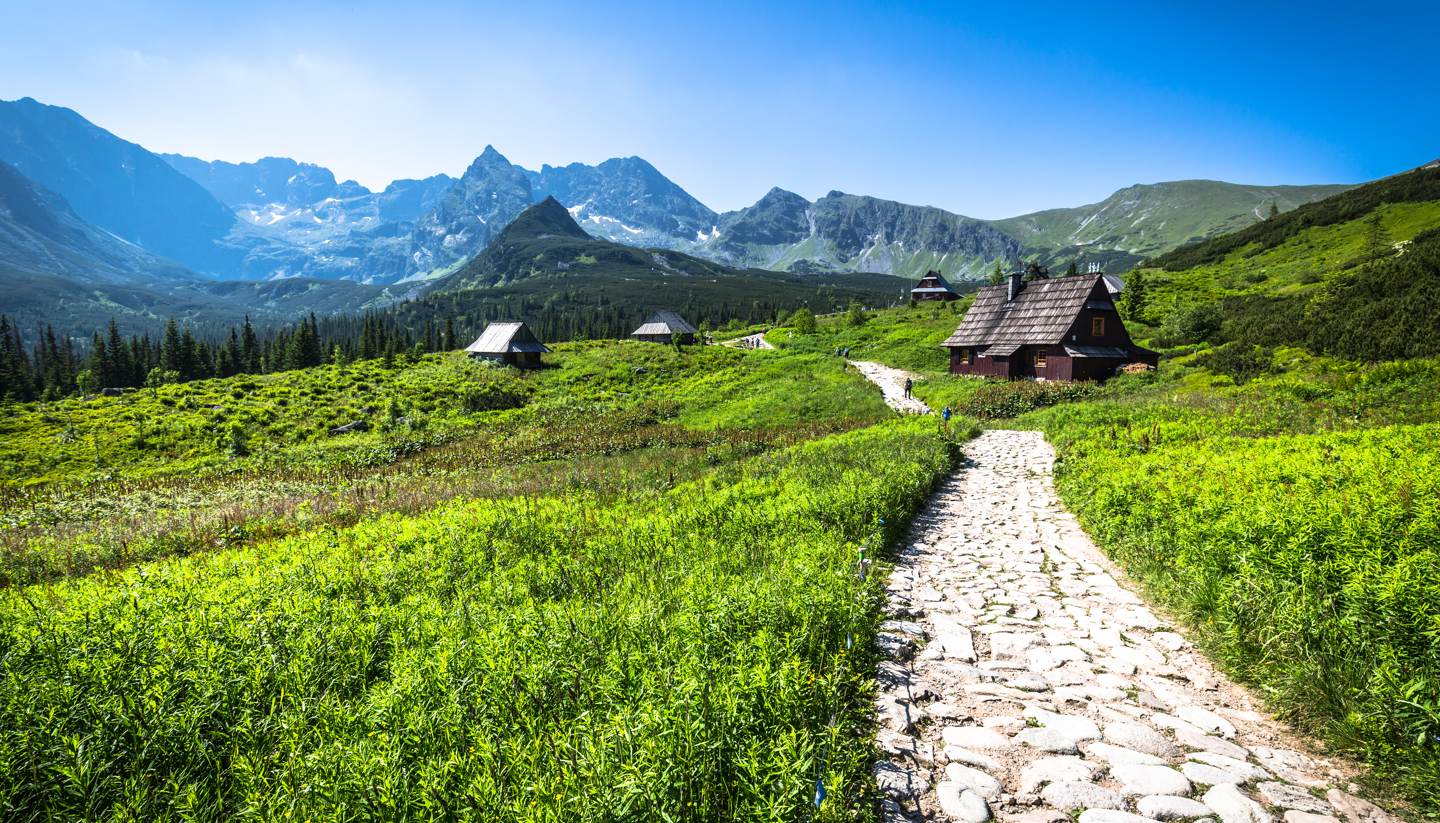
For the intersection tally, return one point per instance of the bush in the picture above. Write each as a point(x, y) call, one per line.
point(1240, 361)
point(999, 400)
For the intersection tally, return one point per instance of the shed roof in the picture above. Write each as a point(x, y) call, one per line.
point(505, 338)
point(664, 322)
point(931, 283)
point(1039, 316)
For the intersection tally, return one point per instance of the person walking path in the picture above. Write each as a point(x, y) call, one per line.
point(892, 385)
point(1025, 681)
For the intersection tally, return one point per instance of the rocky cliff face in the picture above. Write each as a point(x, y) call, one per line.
point(486, 197)
point(845, 232)
point(626, 200)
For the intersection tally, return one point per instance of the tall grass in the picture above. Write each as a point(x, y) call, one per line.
point(526, 659)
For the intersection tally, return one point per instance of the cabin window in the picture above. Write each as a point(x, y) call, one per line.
point(1097, 326)
point(965, 357)
point(1039, 359)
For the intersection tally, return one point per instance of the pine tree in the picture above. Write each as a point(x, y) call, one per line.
point(998, 276)
point(172, 356)
point(249, 349)
point(1377, 239)
point(1132, 301)
point(1274, 210)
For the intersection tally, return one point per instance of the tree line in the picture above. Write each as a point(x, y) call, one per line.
point(54, 366)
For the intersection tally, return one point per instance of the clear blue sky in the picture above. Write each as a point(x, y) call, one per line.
point(988, 109)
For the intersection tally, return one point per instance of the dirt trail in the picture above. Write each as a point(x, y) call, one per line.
point(892, 384)
point(751, 341)
point(1026, 684)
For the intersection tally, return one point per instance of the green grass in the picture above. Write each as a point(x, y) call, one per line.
point(522, 659)
point(621, 420)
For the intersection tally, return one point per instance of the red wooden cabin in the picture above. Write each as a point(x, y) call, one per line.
point(1065, 328)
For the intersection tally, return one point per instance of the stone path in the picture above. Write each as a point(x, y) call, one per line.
point(1026, 684)
point(892, 385)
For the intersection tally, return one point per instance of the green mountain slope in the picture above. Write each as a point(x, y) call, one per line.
point(1354, 275)
point(1144, 220)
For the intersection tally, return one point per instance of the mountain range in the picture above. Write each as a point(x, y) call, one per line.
point(185, 221)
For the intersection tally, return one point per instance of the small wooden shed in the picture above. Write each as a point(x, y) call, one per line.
point(933, 287)
point(665, 327)
point(509, 342)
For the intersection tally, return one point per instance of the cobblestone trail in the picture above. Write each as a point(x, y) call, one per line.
point(1024, 683)
point(892, 385)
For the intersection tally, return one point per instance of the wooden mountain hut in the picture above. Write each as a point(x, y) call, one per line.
point(1047, 329)
point(933, 287)
point(665, 327)
point(509, 342)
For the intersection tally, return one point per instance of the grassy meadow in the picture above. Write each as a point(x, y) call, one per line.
point(623, 586)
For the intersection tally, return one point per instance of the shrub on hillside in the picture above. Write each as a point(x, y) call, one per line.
point(1384, 311)
point(1242, 362)
point(997, 400)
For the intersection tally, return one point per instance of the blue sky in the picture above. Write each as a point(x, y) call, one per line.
point(988, 109)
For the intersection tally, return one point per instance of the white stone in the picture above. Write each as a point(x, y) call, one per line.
point(1207, 775)
point(1053, 770)
point(1073, 726)
point(974, 779)
point(1119, 755)
point(1138, 779)
point(1111, 816)
point(1287, 796)
point(1071, 795)
point(1245, 771)
point(957, 754)
point(1290, 765)
point(1233, 806)
point(897, 781)
point(959, 803)
point(1048, 740)
point(952, 638)
point(974, 737)
point(1195, 739)
point(1206, 720)
point(1293, 816)
point(1169, 807)
point(1141, 738)
point(1356, 810)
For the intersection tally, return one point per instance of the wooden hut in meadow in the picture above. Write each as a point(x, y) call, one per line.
point(509, 342)
point(665, 327)
point(933, 287)
point(1065, 328)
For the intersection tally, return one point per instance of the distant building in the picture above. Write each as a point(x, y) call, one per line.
point(510, 342)
point(665, 327)
point(933, 287)
point(1065, 328)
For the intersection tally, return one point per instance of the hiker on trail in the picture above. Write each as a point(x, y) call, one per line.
point(909, 384)
point(945, 418)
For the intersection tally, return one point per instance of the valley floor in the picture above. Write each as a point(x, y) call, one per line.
point(1028, 682)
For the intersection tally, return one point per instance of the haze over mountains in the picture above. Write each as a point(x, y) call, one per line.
point(164, 226)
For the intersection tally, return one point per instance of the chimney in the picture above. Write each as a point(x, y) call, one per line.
point(1017, 282)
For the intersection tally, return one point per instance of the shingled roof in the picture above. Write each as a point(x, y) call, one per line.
point(664, 322)
point(934, 283)
point(1041, 314)
point(505, 338)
